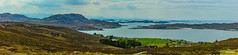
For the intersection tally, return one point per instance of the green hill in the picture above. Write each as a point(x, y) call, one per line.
point(17, 37)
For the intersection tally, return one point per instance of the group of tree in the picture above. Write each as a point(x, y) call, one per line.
point(100, 35)
point(118, 41)
point(121, 43)
point(109, 36)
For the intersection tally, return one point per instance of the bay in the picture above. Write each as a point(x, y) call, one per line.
point(194, 35)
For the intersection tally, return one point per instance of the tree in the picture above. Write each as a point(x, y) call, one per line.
point(138, 44)
point(105, 41)
point(216, 41)
point(130, 43)
point(179, 42)
point(122, 44)
point(95, 34)
point(167, 45)
point(111, 37)
point(101, 35)
point(119, 42)
point(133, 43)
point(116, 44)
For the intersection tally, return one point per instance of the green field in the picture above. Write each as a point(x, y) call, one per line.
point(152, 41)
point(229, 52)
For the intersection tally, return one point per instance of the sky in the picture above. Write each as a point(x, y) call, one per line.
point(145, 9)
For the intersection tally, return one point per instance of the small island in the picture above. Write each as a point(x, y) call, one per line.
point(217, 26)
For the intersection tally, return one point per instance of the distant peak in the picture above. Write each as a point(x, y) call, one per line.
point(7, 13)
point(12, 15)
point(70, 16)
point(72, 13)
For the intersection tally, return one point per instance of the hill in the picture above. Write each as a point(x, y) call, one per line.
point(77, 20)
point(73, 21)
point(18, 37)
point(15, 17)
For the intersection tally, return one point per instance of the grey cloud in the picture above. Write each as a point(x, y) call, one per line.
point(193, 1)
point(77, 2)
point(96, 3)
point(130, 7)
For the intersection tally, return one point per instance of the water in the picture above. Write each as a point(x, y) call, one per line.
point(195, 35)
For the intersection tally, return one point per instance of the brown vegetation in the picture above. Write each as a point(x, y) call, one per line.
point(24, 38)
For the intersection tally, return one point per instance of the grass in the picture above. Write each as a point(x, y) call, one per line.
point(30, 38)
point(229, 52)
point(152, 41)
point(163, 42)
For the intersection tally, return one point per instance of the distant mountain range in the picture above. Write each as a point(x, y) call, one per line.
point(144, 20)
point(129, 21)
point(74, 21)
point(121, 20)
point(15, 17)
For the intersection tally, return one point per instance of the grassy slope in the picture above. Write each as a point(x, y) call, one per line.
point(16, 37)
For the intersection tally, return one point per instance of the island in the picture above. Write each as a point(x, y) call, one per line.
point(217, 26)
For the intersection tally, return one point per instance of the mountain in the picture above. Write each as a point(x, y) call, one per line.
point(73, 21)
point(15, 17)
point(79, 19)
point(69, 18)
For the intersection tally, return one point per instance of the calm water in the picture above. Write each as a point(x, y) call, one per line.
point(194, 35)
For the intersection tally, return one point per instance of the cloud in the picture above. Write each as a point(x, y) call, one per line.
point(130, 7)
point(96, 3)
point(153, 9)
point(119, 0)
point(115, 7)
point(77, 2)
point(48, 3)
point(193, 1)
